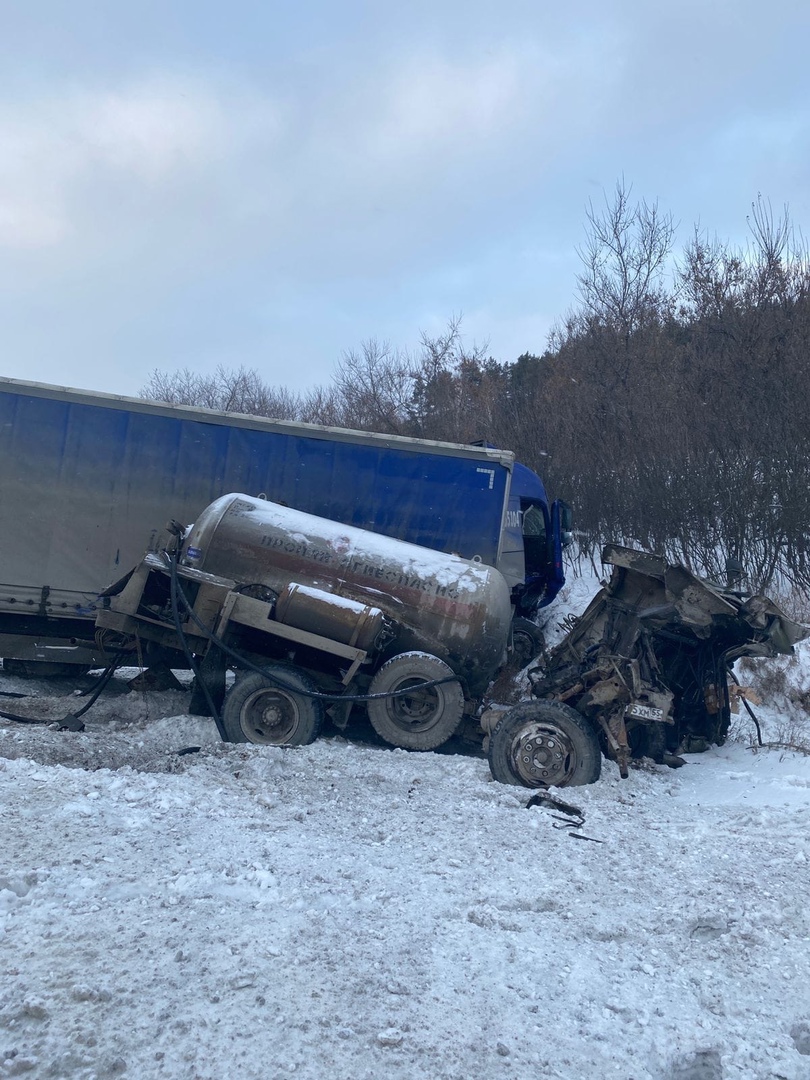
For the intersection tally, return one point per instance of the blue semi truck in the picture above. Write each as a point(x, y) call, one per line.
point(88, 481)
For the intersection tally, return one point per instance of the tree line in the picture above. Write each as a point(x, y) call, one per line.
point(671, 406)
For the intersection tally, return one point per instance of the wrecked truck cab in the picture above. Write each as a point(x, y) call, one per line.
point(644, 670)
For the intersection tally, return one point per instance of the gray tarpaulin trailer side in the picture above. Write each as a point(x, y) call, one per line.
point(88, 481)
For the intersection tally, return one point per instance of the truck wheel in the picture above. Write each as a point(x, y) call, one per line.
point(259, 710)
point(528, 641)
point(544, 743)
point(424, 719)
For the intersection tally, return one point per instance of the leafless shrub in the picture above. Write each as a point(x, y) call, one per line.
point(781, 686)
point(373, 387)
point(236, 391)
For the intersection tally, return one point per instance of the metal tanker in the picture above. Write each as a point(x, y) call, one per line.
point(450, 607)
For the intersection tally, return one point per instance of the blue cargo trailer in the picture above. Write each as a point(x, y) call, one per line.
point(89, 481)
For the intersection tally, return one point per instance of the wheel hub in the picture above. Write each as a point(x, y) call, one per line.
point(543, 755)
point(269, 716)
point(415, 710)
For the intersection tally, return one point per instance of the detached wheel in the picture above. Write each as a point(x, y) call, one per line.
point(423, 719)
point(544, 744)
point(260, 710)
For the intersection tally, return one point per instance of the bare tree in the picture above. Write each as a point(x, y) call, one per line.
point(239, 391)
point(436, 392)
point(452, 395)
point(623, 259)
point(676, 408)
point(372, 388)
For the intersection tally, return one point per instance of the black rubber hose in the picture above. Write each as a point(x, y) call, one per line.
point(748, 709)
point(103, 682)
point(23, 719)
point(95, 693)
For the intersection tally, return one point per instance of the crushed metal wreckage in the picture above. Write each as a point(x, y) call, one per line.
point(643, 672)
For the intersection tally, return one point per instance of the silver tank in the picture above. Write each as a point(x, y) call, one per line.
point(335, 617)
point(455, 609)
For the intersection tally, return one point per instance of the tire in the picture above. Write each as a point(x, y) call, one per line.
point(528, 641)
point(261, 710)
point(43, 669)
point(544, 744)
point(422, 720)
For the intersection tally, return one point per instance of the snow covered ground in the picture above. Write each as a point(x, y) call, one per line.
point(345, 910)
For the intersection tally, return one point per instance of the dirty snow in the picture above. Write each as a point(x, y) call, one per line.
point(345, 910)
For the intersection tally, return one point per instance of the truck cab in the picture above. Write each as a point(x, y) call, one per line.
point(534, 536)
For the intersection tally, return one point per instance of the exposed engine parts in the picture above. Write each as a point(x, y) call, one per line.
point(643, 672)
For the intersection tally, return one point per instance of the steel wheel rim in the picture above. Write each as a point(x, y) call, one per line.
point(269, 716)
point(543, 756)
point(417, 711)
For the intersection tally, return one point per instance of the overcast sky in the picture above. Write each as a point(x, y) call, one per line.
point(267, 184)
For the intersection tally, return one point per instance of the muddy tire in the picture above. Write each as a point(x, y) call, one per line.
point(261, 710)
point(422, 720)
point(544, 744)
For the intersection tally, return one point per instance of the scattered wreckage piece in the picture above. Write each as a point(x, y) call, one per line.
point(642, 673)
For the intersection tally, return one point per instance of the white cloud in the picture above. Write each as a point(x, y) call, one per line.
point(215, 166)
point(59, 158)
point(152, 131)
point(434, 102)
point(25, 223)
point(441, 111)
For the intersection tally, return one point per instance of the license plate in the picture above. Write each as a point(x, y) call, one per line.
point(644, 712)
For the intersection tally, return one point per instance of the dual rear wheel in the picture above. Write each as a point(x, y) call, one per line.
point(279, 709)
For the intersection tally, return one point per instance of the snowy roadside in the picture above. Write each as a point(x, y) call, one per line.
point(354, 911)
